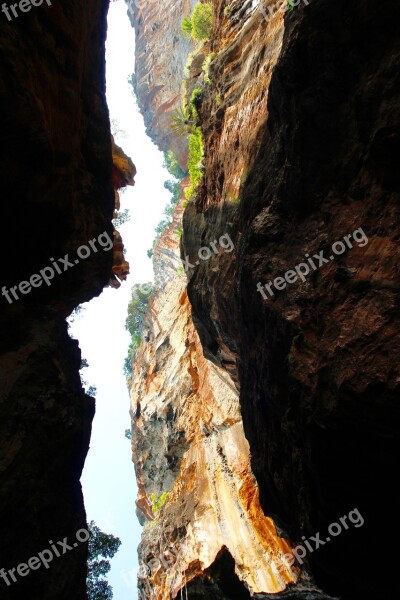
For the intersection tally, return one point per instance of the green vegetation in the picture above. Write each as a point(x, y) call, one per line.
point(195, 161)
point(172, 165)
point(128, 361)
point(157, 504)
point(206, 66)
point(137, 308)
point(92, 391)
point(181, 121)
point(189, 61)
point(101, 546)
point(186, 117)
point(187, 28)
point(174, 187)
point(194, 104)
point(76, 314)
point(218, 100)
point(199, 25)
point(128, 434)
point(185, 121)
point(120, 218)
point(189, 126)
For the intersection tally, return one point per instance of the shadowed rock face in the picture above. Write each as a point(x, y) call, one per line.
point(56, 182)
point(317, 364)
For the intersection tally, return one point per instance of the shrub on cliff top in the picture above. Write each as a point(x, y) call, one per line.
point(121, 217)
point(157, 504)
point(206, 66)
point(199, 25)
point(195, 161)
point(181, 121)
point(187, 27)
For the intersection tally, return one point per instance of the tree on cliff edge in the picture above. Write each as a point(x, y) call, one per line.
point(101, 546)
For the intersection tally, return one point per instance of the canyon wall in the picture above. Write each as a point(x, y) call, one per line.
point(57, 183)
point(300, 126)
point(317, 361)
point(204, 530)
point(161, 54)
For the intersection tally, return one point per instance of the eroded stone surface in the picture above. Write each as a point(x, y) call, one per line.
point(161, 53)
point(189, 445)
point(316, 364)
point(56, 179)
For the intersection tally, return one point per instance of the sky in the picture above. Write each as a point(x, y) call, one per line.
point(108, 480)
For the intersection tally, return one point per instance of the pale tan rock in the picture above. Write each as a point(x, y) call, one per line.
point(188, 441)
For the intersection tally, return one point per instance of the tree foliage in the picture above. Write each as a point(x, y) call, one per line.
point(92, 391)
point(187, 27)
point(158, 503)
point(136, 310)
point(171, 163)
point(199, 25)
point(120, 218)
point(181, 122)
point(195, 161)
point(137, 307)
point(174, 188)
point(101, 547)
point(202, 21)
point(128, 360)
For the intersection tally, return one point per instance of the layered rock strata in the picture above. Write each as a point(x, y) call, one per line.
point(299, 119)
point(57, 185)
point(161, 54)
point(198, 499)
point(310, 99)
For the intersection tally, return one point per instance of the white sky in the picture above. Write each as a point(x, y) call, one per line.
point(108, 479)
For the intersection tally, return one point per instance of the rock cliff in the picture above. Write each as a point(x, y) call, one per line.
point(197, 497)
point(57, 184)
point(317, 360)
point(161, 54)
point(299, 118)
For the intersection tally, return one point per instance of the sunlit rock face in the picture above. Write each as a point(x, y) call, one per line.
point(190, 451)
point(309, 98)
point(204, 529)
point(123, 174)
point(161, 54)
point(56, 177)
